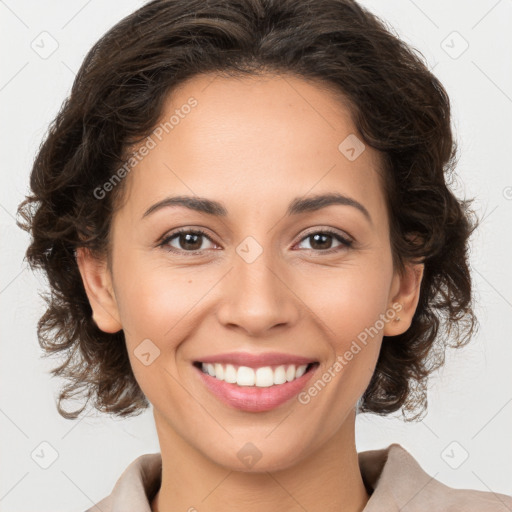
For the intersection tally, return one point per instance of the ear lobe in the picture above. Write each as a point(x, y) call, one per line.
point(408, 296)
point(98, 287)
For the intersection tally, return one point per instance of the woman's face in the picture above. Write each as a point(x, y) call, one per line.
point(269, 275)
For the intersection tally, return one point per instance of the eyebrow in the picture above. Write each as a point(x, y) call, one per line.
point(297, 206)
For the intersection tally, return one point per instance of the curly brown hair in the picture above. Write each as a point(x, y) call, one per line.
point(398, 106)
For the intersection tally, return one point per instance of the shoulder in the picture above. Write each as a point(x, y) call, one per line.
point(135, 487)
point(396, 481)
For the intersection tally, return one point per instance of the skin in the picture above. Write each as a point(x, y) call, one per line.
point(253, 144)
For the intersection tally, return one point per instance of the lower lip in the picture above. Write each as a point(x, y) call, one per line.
point(253, 398)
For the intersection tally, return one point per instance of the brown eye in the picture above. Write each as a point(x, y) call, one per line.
point(322, 241)
point(188, 241)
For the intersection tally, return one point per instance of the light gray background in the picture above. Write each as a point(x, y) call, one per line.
point(470, 407)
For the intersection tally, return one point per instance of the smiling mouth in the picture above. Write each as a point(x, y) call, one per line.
point(262, 377)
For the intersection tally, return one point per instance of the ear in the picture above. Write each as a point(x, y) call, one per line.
point(100, 292)
point(405, 290)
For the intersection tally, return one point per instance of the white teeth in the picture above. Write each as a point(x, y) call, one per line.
point(230, 374)
point(264, 377)
point(280, 375)
point(301, 370)
point(219, 370)
point(261, 377)
point(245, 376)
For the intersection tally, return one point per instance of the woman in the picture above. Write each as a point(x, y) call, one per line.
point(243, 215)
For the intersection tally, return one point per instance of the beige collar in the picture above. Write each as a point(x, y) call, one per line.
point(393, 478)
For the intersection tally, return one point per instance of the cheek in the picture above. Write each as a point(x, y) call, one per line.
point(158, 309)
point(152, 305)
point(347, 300)
point(349, 304)
point(149, 302)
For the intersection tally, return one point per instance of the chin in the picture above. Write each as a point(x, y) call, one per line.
point(257, 457)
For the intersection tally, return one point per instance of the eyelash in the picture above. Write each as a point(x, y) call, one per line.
point(344, 241)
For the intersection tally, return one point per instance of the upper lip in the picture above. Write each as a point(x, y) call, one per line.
point(256, 360)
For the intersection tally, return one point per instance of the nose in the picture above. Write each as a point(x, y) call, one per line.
point(258, 297)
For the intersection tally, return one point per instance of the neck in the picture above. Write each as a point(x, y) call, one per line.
point(327, 479)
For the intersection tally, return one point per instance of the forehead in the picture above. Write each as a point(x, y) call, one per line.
point(254, 142)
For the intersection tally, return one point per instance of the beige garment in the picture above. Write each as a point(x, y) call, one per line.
point(393, 477)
